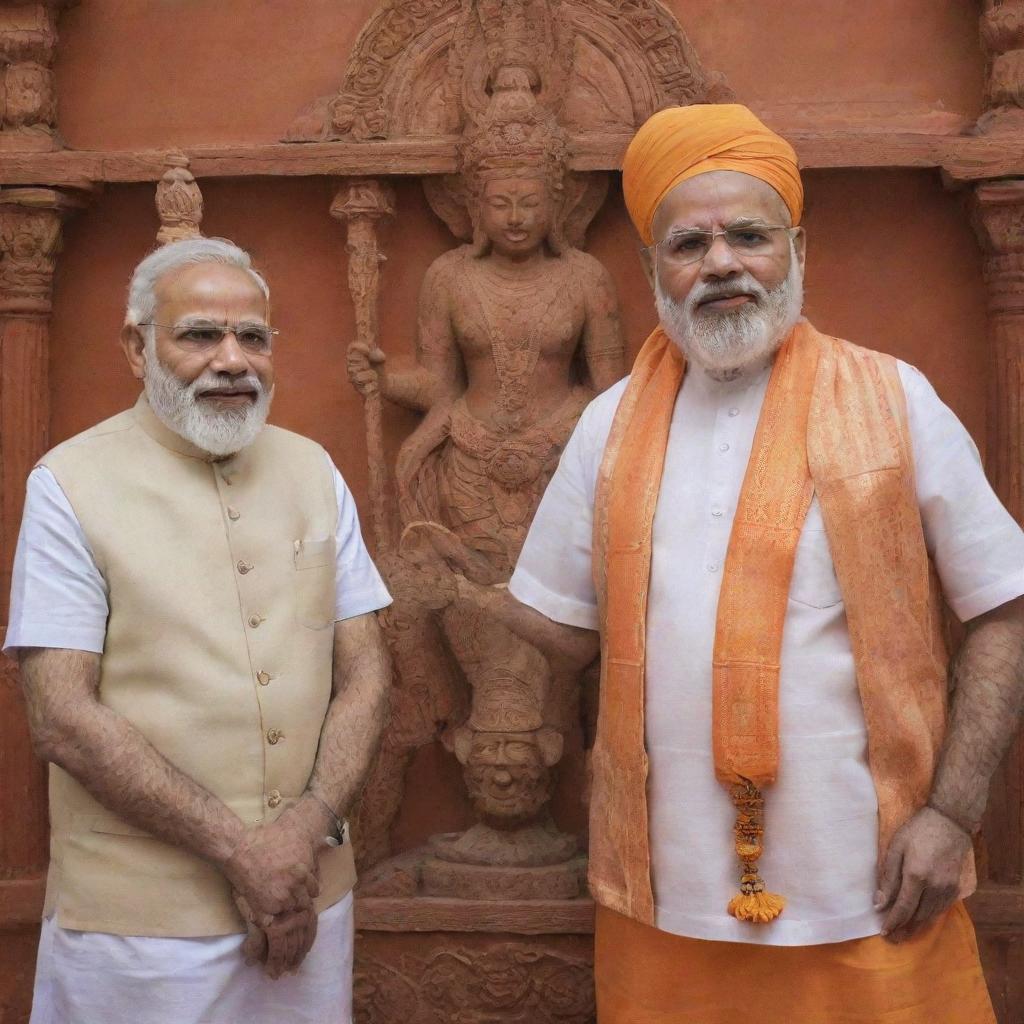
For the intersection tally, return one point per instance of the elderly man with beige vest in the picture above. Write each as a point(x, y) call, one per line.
point(763, 524)
point(193, 609)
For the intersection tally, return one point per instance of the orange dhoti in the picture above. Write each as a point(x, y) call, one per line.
point(647, 976)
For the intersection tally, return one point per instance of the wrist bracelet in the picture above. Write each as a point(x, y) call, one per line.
point(339, 826)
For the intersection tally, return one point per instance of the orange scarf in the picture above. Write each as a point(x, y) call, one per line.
point(819, 389)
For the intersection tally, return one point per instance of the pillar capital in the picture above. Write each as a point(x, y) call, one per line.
point(30, 238)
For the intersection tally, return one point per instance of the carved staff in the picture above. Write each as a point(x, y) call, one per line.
point(361, 204)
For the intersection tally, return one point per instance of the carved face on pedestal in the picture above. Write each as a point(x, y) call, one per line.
point(515, 214)
point(508, 774)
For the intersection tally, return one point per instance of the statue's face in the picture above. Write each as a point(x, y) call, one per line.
point(515, 214)
point(506, 775)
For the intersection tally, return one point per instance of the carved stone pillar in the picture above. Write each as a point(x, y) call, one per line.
point(30, 232)
point(998, 214)
point(999, 221)
point(28, 37)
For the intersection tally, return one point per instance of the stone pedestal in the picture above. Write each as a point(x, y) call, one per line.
point(427, 960)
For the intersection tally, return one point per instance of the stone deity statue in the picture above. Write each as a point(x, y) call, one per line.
point(516, 332)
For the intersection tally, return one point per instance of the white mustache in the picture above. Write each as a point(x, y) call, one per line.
point(210, 381)
point(710, 292)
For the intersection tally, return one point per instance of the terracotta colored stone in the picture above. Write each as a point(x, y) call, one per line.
point(875, 104)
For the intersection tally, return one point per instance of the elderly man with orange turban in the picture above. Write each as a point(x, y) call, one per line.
point(763, 524)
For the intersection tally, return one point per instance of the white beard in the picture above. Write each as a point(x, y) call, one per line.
point(725, 344)
point(178, 408)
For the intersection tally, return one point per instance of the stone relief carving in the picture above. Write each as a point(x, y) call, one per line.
point(1002, 33)
point(426, 67)
point(517, 330)
point(510, 983)
point(179, 203)
point(28, 109)
point(29, 243)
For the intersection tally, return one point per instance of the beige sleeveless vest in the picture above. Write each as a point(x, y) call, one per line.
point(218, 650)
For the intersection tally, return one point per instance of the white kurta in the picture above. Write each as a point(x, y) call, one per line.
point(821, 815)
point(59, 599)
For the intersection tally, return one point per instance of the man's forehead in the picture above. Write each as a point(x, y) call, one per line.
point(716, 198)
point(210, 285)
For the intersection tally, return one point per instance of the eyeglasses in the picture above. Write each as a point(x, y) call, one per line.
point(204, 335)
point(746, 241)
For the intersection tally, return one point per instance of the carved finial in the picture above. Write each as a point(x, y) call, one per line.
point(179, 202)
point(364, 197)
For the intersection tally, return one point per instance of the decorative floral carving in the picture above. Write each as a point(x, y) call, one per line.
point(510, 983)
point(28, 36)
point(29, 243)
point(1002, 33)
point(28, 92)
point(179, 202)
point(423, 67)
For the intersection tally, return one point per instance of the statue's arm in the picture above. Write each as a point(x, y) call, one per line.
point(438, 371)
point(570, 647)
point(604, 346)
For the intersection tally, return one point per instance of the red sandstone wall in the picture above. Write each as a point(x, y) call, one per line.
point(160, 73)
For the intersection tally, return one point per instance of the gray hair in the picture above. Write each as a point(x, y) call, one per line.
point(174, 256)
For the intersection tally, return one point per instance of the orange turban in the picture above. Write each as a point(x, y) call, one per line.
point(682, 142)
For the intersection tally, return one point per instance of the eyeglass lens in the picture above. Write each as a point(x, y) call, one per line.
point(691, 246)
point(198, 336)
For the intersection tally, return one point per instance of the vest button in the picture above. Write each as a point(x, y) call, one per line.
point(274, 799)
point(263, 678)
point(274, 736)
point(244, 566)
point(254, 620)
point(233, 513)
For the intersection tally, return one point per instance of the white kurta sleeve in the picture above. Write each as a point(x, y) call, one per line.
point(358, 586)
point(977, 547)
point(58, 595)
point(554, 573)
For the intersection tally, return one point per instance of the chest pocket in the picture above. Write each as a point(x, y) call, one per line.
point(814, 576)
point(314, 582)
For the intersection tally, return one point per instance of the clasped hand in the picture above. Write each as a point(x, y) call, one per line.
point(274, 875)
point(920, 876)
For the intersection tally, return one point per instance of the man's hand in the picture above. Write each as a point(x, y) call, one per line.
point(279, 944)
point(921, 874)
point(274, 868)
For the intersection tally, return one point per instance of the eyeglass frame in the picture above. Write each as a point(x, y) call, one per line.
point(225, 329)
point(739, 226)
